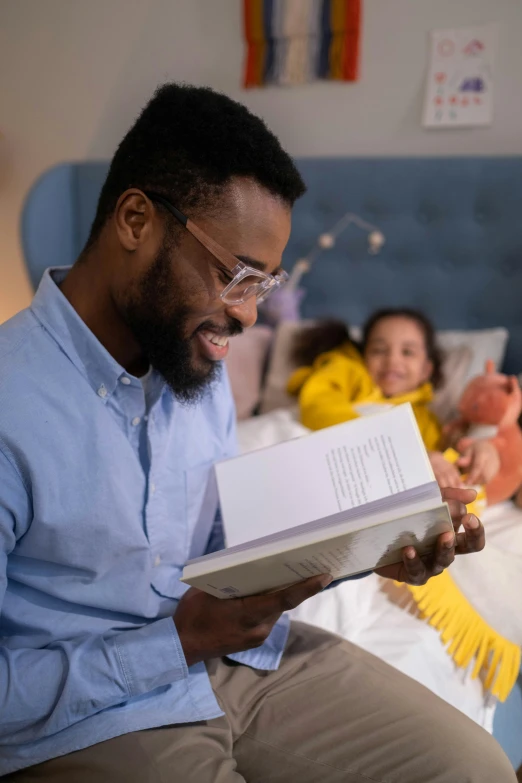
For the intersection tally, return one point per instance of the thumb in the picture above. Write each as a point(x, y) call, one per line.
point(268, 605)
point(294, 595)
point(464, 461)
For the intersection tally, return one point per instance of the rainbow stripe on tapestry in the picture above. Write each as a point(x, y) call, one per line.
point(297, 41)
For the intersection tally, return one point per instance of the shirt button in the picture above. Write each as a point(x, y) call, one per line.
point(136, 421)
point(157, 561)
point(126, 381)
point(153, 488)
point(102, 391)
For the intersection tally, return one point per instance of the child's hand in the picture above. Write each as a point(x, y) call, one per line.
point(446, 473)
point(480, 460)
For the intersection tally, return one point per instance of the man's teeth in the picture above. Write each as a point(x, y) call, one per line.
point(216, 339)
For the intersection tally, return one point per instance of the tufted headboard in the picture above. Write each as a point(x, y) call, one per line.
point(453, 229)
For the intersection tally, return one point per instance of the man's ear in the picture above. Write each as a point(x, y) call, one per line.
point(133, 218)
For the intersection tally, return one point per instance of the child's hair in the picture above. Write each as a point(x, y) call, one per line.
point(330, 334)
point(311, 342)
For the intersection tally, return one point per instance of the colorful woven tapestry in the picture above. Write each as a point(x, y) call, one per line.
point(297, 41)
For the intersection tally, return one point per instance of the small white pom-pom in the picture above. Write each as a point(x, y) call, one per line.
point(326, 241)
point(375, 241)
point(303, 265)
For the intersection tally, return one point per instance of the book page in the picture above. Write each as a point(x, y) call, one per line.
point(319, 475)
point(365, 471)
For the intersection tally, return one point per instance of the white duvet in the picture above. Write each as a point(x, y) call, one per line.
point(368, 611)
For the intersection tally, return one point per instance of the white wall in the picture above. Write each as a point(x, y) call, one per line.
point(74, 74)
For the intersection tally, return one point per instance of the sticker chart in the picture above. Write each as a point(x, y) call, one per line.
point(459, 89)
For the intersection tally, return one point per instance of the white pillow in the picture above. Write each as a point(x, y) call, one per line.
point(484, 344)
point(259, 432)
point(465, 354)
point(455, 371)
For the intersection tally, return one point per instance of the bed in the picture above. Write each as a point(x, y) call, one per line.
point(381, 618)
point(453, 248)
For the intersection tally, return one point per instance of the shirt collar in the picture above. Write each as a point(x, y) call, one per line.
point(76, 340)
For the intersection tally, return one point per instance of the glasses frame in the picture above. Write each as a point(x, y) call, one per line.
point(232, 265)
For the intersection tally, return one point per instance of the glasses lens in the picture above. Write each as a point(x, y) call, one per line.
point(247, 285)
point(260, 289)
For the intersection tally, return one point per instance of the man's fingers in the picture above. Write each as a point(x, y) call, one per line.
point(457, 510)
point(259, 608)
point(296, 594)
point(472, 538)
point(414, 570)
point(444, 554)
point(417, 571)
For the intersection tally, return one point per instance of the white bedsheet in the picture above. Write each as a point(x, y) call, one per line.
point(367, 613)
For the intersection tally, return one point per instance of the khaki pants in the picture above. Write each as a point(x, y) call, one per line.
point(331, 713)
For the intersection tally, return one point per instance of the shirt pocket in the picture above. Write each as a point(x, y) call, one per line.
point(201, 506)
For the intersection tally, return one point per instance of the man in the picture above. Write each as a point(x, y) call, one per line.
point(113, 409)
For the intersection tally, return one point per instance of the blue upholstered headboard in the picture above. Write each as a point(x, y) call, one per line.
point(453, 230)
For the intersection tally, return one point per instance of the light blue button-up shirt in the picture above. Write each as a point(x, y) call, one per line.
point(102, 501)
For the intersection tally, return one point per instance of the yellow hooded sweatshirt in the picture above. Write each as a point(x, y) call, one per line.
point(338, 381)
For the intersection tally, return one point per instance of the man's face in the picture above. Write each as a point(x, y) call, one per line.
point(172, 305)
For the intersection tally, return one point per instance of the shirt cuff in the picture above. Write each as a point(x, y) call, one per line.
point(151, 657)
point(268, 656)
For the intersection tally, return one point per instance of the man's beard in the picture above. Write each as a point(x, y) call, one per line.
point(163, 338)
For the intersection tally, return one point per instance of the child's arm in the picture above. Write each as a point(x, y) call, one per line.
point(328, 395)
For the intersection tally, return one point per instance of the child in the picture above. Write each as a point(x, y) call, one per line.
point(398, 362)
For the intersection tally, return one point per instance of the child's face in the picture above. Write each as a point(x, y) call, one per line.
point(396, 357)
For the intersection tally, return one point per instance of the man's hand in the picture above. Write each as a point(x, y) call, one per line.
point(417, 571)
point(446, 473)
point(211, 627)
point(479, 460)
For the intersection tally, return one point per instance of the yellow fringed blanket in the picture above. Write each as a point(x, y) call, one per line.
point(467, 635)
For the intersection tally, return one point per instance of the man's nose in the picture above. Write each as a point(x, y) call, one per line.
point(245, 313)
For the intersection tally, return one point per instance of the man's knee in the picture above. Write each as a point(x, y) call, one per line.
point(479, 759)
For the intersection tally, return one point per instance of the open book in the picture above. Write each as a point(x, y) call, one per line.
point(341, 501)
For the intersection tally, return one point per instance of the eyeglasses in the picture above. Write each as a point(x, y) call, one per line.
point(245, 281)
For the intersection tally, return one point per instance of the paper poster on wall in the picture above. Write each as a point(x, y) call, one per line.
point(459, 90)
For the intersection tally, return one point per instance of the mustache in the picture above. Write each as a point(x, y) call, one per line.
point(231, 329)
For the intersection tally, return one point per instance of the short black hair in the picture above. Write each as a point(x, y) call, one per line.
point(187, 144)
